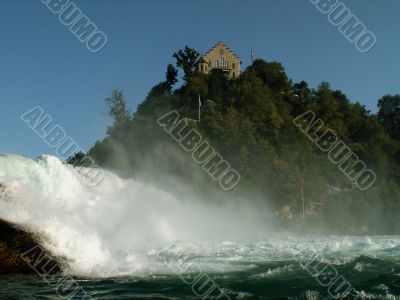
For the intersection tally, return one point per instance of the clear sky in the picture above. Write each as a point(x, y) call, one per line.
point(42, 62)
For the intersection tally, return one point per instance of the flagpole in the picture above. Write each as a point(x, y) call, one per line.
point(199, 107)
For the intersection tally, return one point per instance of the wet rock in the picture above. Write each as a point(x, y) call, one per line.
point(20, 253)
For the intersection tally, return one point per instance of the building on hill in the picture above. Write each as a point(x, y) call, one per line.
point(222, 58)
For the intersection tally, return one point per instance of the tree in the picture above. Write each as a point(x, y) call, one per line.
point(389, 114)
point(302, 91)
point(76, 158)
point(159, 90)
point(117, 107)
point(186, 59)
point(171, 78)
point(272, 74)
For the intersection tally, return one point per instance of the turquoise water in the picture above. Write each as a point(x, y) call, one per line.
point(260, 270)
point(112, 240)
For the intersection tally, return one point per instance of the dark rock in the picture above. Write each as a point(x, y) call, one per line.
point(20, 253)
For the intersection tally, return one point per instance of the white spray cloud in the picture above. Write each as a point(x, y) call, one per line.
point(113, 228)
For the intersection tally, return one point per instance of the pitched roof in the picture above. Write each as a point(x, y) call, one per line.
point(224, 45)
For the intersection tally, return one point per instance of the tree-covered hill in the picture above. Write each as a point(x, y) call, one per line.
point(249, 121)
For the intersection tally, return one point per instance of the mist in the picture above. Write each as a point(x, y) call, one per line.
point(111, 228)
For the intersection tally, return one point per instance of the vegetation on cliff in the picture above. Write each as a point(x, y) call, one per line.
point(249, 121)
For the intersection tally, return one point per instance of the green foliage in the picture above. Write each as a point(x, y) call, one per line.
point(76, 158)
point(249, 121)
point(389, 114)
point(171, 77)
point(186, 59)
point(118, 110)
point(272, 74)
point(117, 106)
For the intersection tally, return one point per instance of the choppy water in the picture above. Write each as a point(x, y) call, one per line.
point(258, 270)
point(123, 239)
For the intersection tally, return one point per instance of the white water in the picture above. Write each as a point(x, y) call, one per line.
point(115, 227)
point(119, 226)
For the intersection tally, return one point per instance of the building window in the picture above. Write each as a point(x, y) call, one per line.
point(201, 68)
point(217, 64)
point(234, 74)
point(226, 64)
point(222, 62)
point(221, 51)
point(209, 64)
point(233, 65)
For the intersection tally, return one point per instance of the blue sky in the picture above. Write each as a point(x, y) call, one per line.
point(42, 63)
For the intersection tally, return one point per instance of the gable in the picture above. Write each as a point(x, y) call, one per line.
point(221, 49)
